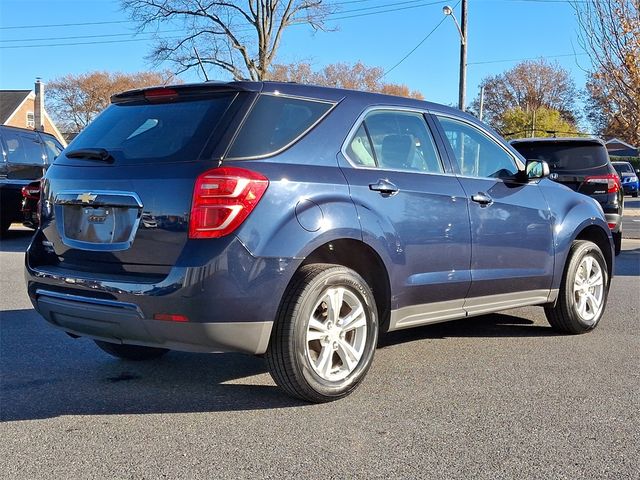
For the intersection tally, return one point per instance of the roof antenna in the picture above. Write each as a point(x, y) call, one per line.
point(201, 65)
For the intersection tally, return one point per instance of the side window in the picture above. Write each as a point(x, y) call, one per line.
point(395, 140)
point(52, 147)
point(359, 149)
point(23, 148)
point(477, 154)
point(274, 123)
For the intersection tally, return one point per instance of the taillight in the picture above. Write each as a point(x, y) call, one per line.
point(611, 180)
point(30, 192)
point(222, 199)
point(160, 95)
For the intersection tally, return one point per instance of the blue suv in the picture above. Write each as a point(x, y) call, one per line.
point(298, 223)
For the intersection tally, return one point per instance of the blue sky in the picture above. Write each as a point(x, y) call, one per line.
point(498, 30)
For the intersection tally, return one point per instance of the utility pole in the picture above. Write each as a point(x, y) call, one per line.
point(463, 57)
point(481, 113)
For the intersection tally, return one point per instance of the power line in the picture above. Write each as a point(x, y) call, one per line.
point(82, 24)
point(14, 27)
point(83, 43)
point(525, 59)
point(295, 23)
point(78, 37)
point(418, 45)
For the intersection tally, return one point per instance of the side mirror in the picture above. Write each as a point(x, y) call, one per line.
point(536, 169)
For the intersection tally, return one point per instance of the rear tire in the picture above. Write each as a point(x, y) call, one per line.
point(324, 338)
point(634, 194)
point(617, 242)
point(583, 293)
point(131, 352)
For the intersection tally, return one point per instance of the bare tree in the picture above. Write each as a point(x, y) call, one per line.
point(357, 76)
point(610, 34)
point(75, 100)
point(239, 37)
point(529, 86)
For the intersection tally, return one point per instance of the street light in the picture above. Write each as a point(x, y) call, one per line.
point(447, 10)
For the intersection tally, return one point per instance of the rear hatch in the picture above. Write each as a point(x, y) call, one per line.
point(24, 158)
point(119, 197)
point(581, 165)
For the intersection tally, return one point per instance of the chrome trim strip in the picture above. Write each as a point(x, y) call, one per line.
point(428, 313)
point(503, 301)
point(91, 246)
point(96, 301)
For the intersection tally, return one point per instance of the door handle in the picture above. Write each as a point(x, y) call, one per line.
point(482, 198)
point(385, 187)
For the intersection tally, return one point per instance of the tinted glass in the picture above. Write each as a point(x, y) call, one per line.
point(360, 150)
point(476, 153)
point(274, 123)
point(52, 147)
point(623, 168)
point(560, 155)
point(23, 148)
point(401, 141)
point(162, 132)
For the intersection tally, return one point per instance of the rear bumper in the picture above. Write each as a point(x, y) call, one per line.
point(231, 300)
point(630, 187)
point(119, 322)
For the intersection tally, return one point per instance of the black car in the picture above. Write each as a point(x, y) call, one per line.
point(583, 165)
point(26, 154)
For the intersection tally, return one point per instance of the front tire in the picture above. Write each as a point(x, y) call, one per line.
point(130, 352)
point(584, 290)
point(324, 338)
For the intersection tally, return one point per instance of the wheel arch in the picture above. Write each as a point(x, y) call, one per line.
point(364, 260)
point(597, 235)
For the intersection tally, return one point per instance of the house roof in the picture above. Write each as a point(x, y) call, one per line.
point(10, 100)
point(617, 141)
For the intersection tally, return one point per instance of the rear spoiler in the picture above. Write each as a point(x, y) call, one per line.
point(190, 89)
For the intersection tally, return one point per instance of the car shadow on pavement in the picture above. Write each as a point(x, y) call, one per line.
point(494, 325)
point(15, 240)
point(46, 374)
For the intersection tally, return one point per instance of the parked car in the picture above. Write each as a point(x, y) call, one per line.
point(26, 154)
point(628, 178)
point(299, 222)
point(30, 204)
point(581, 164)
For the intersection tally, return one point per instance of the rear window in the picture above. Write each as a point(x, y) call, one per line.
point(623, 168)
point(565, 155)
point(274, 123)
point(160, 132)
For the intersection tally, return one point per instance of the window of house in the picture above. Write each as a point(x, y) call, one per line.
point(31, 121)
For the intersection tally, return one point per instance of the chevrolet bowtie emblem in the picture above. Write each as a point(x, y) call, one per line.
point(86, 197)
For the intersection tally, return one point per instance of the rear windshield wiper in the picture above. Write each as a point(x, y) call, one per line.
point(91, 154)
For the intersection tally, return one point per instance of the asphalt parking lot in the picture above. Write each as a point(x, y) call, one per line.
point(498, 396)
